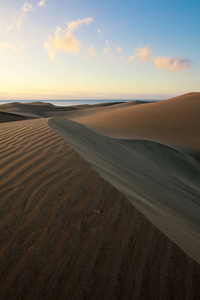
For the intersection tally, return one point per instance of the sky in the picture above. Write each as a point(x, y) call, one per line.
point(75, 49)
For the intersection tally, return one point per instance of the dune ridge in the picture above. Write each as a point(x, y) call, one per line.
point(66, 233)
point(174, 122)
point(167, 197)
point(9, 117)
point(35, 110)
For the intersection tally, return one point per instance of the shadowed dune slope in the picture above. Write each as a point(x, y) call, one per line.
point(161, 182)
point(66, 233)
point(174, 122)
point(31, 110)
point(8, 117)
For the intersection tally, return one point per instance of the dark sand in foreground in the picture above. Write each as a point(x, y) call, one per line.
point(67, 233)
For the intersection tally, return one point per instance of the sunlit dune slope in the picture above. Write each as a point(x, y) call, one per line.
point(174, 122)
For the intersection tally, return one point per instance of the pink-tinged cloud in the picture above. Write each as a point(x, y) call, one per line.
point(171, 64)
point(119, 49)
point(143, 54)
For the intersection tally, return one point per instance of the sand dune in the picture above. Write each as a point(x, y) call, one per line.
point(34, 110)
point(161, 182)
point(30, 110)
point(9, 117)
point(174, 122)
point(66, 233)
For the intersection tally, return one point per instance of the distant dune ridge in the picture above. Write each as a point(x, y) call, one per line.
point(35, 110)
point(174, 122)
point(88, 216)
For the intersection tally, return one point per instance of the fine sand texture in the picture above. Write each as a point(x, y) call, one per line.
point(174, 122)
point(66, 233)
point(161, 182)
point(88, 216)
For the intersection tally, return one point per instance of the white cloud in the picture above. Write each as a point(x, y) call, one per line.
point(75, 24)
point(119, 49)
point(99, 30)
point(64, 39)
point(25, 9)
point(143, 54)
point(9, 47)
point(51, 51)
point(167, 62)
point(41, 3)
point(171, 63)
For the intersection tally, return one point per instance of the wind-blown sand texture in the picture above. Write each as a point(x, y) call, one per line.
point(67, 233)
point(161, 182)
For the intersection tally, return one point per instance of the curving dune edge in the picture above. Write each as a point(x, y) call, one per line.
point(167, 192)
point(67, 233)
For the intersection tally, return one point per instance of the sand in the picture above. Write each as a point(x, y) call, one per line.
point(9, 117)
point(74, 225)
point(161, 183)
point(174, 122)
point(35, 110)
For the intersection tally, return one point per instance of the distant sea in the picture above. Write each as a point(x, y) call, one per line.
point(73, 102)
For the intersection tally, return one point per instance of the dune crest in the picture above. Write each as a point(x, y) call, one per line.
point(66, 233)
point(174, 122)
point(161, 182)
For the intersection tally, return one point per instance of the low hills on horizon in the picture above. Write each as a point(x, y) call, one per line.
point(174, 122)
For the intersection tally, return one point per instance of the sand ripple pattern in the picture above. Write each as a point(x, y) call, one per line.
point(66, 233)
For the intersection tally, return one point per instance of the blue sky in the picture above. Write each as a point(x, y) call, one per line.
point(98, 49)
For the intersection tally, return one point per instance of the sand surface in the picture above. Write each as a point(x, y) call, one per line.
point(161, 182)
point(67, 233)
point(174, 122)
point(35, 110)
